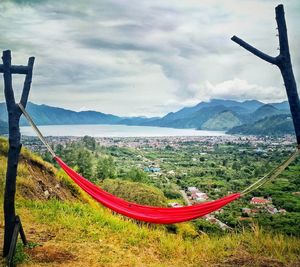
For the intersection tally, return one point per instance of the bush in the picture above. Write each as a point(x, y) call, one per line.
point(171, 193)
point(207, 227)
point(135, 192)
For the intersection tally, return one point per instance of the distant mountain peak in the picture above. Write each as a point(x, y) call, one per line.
point(252, 101)
point(267, 107)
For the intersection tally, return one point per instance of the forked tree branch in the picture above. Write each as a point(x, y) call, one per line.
point(253, 50)
point(27, 82)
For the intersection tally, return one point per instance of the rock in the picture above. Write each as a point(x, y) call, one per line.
point(46, 193)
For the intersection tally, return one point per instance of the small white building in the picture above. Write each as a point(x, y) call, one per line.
point(193, 190)
point(272, 210)
point(199, 196)
point(175, 205)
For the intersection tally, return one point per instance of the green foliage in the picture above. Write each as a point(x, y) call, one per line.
point(135, 192)
point(89, 142)
point(186, 230)
point(288, 223)
point(222, 121)
point(171, 193)
point(84, 163)
point(207, 227)
point(105, 168)
point(20, 255)
point(3, 146)
point(137, 175)
point(273, 126)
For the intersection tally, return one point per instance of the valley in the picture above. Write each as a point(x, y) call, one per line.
point(216, 166)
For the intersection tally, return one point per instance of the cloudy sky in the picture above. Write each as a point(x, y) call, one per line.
point(146, 57)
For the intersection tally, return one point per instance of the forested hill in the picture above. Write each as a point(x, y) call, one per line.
point(274, 125)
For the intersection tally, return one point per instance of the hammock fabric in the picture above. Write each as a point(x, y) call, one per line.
point(145, 213)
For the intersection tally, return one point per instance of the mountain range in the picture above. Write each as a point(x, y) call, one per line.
point(217, 114)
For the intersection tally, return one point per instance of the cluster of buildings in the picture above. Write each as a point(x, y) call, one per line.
point(174, 142)
point(192, 196)
point(261, 205)
point(195, 195)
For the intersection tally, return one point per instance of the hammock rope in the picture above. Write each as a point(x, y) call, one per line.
point(272, 174)
point(151, 214)
point(36, 129)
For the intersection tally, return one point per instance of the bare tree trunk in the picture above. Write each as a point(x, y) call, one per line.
point(283, 62)
point(14, 115)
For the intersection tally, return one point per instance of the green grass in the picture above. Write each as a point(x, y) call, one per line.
point(111, 238)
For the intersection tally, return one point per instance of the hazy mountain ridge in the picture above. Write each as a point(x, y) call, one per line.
point(216, 114)
point(48, 115)
point(266, 111)
point(208, 115)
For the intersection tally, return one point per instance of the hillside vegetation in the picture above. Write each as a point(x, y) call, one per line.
point(135, 192)
point(222, 121)
point(274, 125)
point(67, 228)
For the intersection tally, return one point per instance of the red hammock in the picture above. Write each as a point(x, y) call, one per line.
point(142, 212)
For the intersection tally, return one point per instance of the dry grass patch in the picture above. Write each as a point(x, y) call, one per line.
point(50, 254)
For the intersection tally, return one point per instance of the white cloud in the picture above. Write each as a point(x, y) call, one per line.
point(238, 89)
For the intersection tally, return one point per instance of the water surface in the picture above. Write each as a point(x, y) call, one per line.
point(115, 131)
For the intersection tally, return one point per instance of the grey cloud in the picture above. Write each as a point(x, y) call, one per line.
point(145, 57)
point(103, 44)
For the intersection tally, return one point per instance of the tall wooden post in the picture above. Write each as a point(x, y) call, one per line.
point(14, 114)
point(283, 62)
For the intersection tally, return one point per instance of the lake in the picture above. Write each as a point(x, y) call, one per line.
point(115, 131)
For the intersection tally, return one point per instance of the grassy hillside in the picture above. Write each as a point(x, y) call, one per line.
point(67, 228)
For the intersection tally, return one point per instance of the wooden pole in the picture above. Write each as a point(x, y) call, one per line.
point(14, 114)
point(284, 63)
